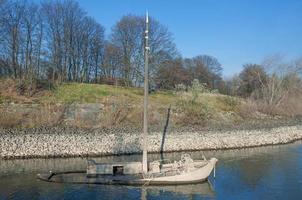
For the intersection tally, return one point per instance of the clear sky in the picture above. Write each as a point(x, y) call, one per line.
point(234, 31)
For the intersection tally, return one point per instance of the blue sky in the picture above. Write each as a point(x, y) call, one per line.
point(234, 31)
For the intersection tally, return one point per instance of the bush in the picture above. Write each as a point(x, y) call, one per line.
point(232, 102)
point(195, 113)
point(197, 88)
point(30, 88)
point(180, 88)
point(115, 114)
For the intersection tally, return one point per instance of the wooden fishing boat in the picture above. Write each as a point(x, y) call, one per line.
point(185, 171)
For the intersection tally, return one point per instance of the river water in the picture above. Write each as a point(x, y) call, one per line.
point(272, 172)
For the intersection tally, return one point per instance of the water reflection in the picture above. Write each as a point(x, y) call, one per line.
point(30, 188)
point(202, 189)
point(247, 156)
point(273, 172)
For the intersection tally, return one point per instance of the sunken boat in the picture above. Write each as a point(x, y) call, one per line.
point(161, 172)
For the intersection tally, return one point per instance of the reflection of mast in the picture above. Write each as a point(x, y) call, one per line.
point(145, 166)
point(143, 193)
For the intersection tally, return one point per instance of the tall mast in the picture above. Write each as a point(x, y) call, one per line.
point(146, 91)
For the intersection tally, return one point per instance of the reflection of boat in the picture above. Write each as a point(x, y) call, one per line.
point(202, 189)
point(185, 171)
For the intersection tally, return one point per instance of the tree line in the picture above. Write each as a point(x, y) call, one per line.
point(57, 41)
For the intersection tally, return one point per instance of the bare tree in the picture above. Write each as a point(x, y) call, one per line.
point(297, 66)
point(12, 25)
point(31, 22)
point(4, 69)
point(205, 68)
point(40, 36)
point(276, 89)
point(252, 77)
point(128, 34)
point(232, 85)
point(171, 74)
point(112, 60)
point(97, 49)
point(75, 41)
point(53, 13)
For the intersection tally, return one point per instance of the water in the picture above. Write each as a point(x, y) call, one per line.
point(273, 172)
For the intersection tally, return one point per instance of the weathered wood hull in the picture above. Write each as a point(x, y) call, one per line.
point(80, 177)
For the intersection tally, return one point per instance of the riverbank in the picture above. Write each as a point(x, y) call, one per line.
point(70, 142)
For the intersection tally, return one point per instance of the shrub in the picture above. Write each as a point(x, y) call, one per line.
point(232, 102)
point(197, 88)
point(180, 88)
point(36, 86)
point(195, 113)
point(115, 114)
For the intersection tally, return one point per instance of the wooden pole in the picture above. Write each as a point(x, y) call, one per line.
point(146, 91)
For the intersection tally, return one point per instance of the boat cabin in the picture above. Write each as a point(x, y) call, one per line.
point(124, 168)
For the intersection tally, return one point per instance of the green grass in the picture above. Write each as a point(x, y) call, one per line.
point(93, 93)
point(6, 99)
point(205, 109)
point(79, 93)
point(1, 99)
point(187, 109)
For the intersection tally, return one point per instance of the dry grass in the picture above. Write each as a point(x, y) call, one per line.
point(121, 114)
point(10, 119)
point(46, 115)
point(115, 115)
point(9, 93)
point(290, 107)
point(247, 108)
point(204, 108)
point(122, 106)
point(41, 115)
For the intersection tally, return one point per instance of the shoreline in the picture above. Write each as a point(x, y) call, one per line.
point(69, 142)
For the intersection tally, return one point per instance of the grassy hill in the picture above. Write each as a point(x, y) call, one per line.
point(76, 93)
point(120, 106)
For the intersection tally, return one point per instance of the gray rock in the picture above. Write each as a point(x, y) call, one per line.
point(69, 142)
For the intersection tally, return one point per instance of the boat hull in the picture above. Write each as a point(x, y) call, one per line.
point(80, 177)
